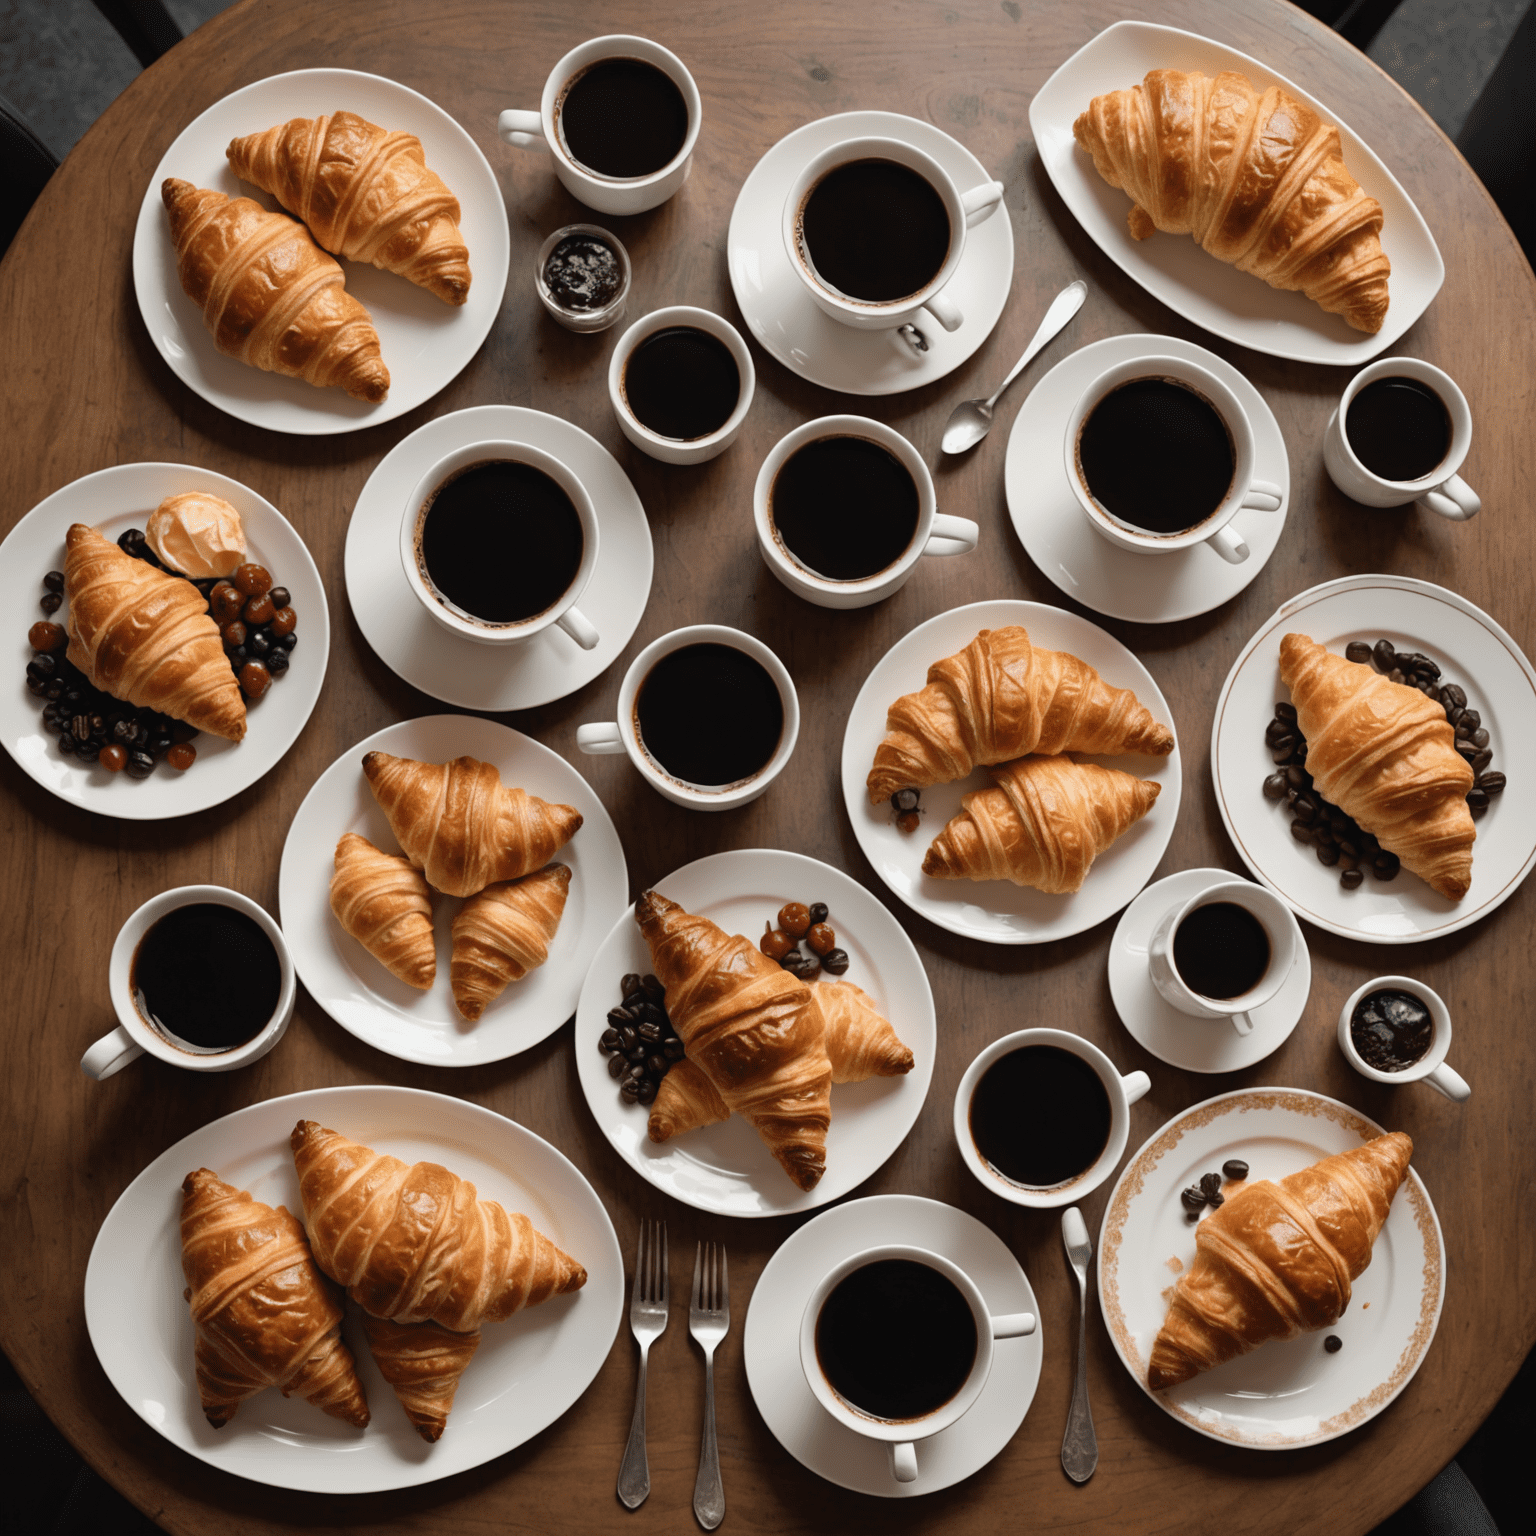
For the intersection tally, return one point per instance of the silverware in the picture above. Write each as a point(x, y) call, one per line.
point(1079, 1446)
point(709, 1320)
point(648, 1321)
point(971, 420)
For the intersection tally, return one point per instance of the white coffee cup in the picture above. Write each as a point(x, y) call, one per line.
point(134, 1035)
point(1430, 1067)
point(563, 611)
point(623, 734)
point(1245, 492)
point(936, 533)
point(901, 1435)
point(1123, 1091)
point(1442, 490)
point(541, 129)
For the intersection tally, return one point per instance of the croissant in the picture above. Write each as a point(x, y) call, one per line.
point(754, 1030)
point(460, 826)
point(423, 1363)
point(146, 637)
point(264, 1315)
point(1277, 1260)
point(269, 295)
point(1043, 825)
point(502, 933)
point(1386, 755)
point(1000, 698)
point(1258, 179)
point(384, 903)
point(415, 1244)
point(365, 193)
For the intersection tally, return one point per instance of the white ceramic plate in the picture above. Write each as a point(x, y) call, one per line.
point(997, 911)
point(493, 677)
point(425, 342)
point(365, 998)
point(810, 342)
point(113, 501)
point(1291, 1393)
point(527, 1372)
point(1173, 268)
point(1473, 651)
point(726, 1168)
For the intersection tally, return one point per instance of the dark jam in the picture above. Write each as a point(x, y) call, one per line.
point(1391, 1030)
point(623, 118)
point(682, 383)
point(1221, 950)
point(583, 274)
point(1040, 1116)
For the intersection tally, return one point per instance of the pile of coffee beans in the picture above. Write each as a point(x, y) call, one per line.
point(1207, 1192)
point(801, 922)
point(909, 814)
point(640, 1042)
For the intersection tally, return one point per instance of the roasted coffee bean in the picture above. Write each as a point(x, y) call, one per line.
point(635, 1000)
point(616, 1064)
point(1477, 800)
point(1282, 750)
point(1397, 675)
point(635, 1056)
point(1471, 720)
point(1384, 655)
point(1480, 760)
point(1348, 848)
point(1386, 866)
point(905, 800)
point(630, 983)
point(260, 644)
point(1298, 778)
point(50, 602)
point(618, 1016)
point(288, 641)
point(1351, 879)
point(628, 1037)
point(672, 1049)
point(1466, 749)
point(1301, 831)
point(1432, 692)
point(42, 668)
point(54, 581)
point(1278, 730)
point(608, 1041)
point(835, 962)
point(649, 1032)
point(657, 1064)
point(629, 1090)
point(1324, 837)
point(1480, 737)
point(1327, 854)
point(652, 988)
point(1347, 862)
point(1234, 1167)
point(819, 912)
point(652, 1014)
point(1306, 808)
point(1358, 651)
point(281, 597)
point(1274, 787)
point(140, 765)
point(1216, 1199)
point(1491, 783)
point(1286, 712)
point(1455, 694)
point(1210, 1183)
point(1455, 713)
point(1333, 1343)
point(645, 1092)
point(1193, 1200)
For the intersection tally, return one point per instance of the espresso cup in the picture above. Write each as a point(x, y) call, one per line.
point(902, 1435)
point(935, 534)
point(1430, 1067)
point(135, 1036)
point(541, 129)
point(1245, 492)
point(585, 322)
point(1442, 490)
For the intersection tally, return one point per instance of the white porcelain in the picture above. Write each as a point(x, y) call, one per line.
point(1431, 1067)
point(494, 678)
point(778, 1384)
point(584, 322)
point(725, 1168)
point(363, 997)
point(1172, 268)
point(425, 343)
point(607, 194)
point(1288, 1393)
point(936, 534)
point(997, 911)
point(1442, 490)
point(1472, 651)
point(526, 1373)
point(113, 501)
point(786, 320)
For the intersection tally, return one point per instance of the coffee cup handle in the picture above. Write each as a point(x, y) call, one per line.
point(904, 1461)
point(599, 739)
point(951, 536)
point(980, 203)
point(524, 129)
point(1229, 544)
point(1262, 497)
point(1242, 1023)
point(574, 622)
point(1455, 500)
point(945, 312)
point(1452, 1084)
point(111, 1054)
point(1135, 1085)
point(1013, 1325)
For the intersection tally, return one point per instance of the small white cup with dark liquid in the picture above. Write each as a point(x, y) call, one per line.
point(1429, 1066)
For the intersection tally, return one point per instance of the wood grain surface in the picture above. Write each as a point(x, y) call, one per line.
point(82, 387)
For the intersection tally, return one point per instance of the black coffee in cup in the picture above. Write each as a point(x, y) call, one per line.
point(1040, 1116)
point(1221, 950)
point(1399, 428)
point(681, 382)
point(623, 118)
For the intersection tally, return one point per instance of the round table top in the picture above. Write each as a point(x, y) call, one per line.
point(83, 388)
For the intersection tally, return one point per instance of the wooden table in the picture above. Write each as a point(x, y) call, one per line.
point(82, 388)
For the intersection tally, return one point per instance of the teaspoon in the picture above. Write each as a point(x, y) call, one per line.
point(1079, 1446)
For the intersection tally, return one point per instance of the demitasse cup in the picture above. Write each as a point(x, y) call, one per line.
point(1439, 489)
point(1430, 1067)
point(892, 538)
point(553, 125)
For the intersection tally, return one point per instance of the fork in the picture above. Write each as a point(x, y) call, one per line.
point(709, 1319)
point(648, 1321)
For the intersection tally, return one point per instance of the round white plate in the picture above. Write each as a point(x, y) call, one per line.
point(527, 1372)
point(1473, 651)
point(777, 1381)
point(810, 342)
point(1196, 1045)
point(1046, 515)
point(1289, 1393)
point(113, 501)
point(425, 342)
point(726, 1168)
point(464, 672)
point(997, 911)
point(365, 998)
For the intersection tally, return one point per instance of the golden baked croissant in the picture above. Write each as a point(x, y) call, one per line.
point(415, 1243)
point(385, 904)
point(1258, 179)
point(365, 193)
point(1001, 698)
point(461, 827)
point(146, 637)
point(263, 1314)
point(502, 933)
point(1386, 755)
point(1277, 1260)
point(753, 1029)
point(423, 1363)
point(269, 295)
point(1045, 822)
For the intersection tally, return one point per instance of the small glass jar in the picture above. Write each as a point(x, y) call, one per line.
point(584, 320)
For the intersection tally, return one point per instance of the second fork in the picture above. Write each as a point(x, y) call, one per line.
point(648, 1321)
point(709, 1319)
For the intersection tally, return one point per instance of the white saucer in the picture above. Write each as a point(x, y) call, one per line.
point(1195, 1045)
point(1146, 589)
point(808, 341)
point(464, 672)
point(771, 1352)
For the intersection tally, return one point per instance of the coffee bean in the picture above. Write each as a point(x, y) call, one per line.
point(1306, 808)
point(1234, 1167)
point(1277, 730)
point(1348, 848)
point(1480, 760)
point(1397, 675)
point(54, 581)
point(1477, 800)
point(1480, 737)
point(628, 1038)
point(1492, 783)
point(1455, 695)
point(1217, 1199)
point(1301, 832)
point(1298, 778)
point(1281, 751)
point(1471, 720)
point(608, 1041)
point(820, 912)
point(1387, 866)
point(1193, 1200)
point(652, 988)
point(50, 602)
point(616, 1065)
point(1358, 651)
point(1347, 862)
point(835, 962)
point(649, 1032)
point(1333, 1343)
point(140, 765)
point(1286, 712)
point(672, 1049)
point(1324, 837)
point(1384, 655)
point(1210, 1184)
point(1327, 854)
point(1351, 879)
point(629, 1090)
point(1274, 787)
point(618, 1016)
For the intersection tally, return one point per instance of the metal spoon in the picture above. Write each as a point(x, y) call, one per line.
point(1079, 1446)
point(971, 420)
